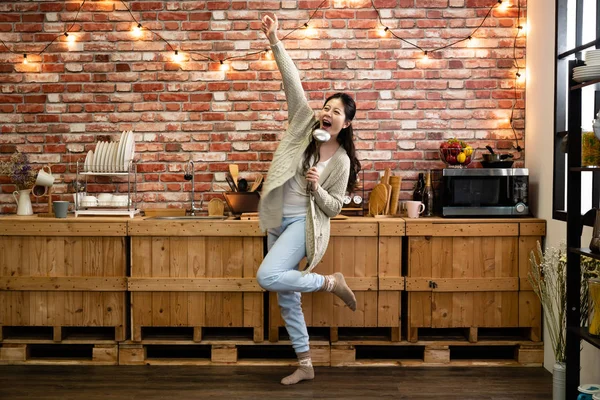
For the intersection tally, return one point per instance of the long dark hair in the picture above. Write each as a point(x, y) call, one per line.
point(345, 138)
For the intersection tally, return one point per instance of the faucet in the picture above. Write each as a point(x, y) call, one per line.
point(189, 175)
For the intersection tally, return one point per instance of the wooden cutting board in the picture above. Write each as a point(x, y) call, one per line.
point(216, 207)
point(395, 183)
point(386, 181)
point(378, 199)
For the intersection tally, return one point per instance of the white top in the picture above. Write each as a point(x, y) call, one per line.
point(295, 197)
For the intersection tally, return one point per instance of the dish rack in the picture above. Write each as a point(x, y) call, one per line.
point(83, 176)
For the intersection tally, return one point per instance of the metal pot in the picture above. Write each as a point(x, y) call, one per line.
point(491, 157)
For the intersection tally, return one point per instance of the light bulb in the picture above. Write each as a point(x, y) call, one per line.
point(310, 31)
point(137, 30)
point(520, 76)
point(25, 59)
point(177, 57)
point(425, 56)
point(224, 66)
point(268, 55)
point(70, 38)
point(524, 29)
point(383, 31)
point(504, 4)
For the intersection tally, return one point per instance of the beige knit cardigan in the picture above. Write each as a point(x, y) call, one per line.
point(326, 201)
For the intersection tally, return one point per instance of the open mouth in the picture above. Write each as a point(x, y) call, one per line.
point(326, 124)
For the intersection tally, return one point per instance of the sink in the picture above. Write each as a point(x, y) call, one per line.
point(191, 217)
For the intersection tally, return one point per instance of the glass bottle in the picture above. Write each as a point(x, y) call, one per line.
point(428, 196)
point(419, 187)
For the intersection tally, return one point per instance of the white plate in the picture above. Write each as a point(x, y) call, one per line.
point(115, 168)
point(586, 68)
point(121, 150)
point(111, 156)
point(88, 158)
point(129, 150)
point(97, 166)
point(100, 162)
point(585, 78)
point(119, 158)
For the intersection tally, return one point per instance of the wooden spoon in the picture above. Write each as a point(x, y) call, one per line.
point(256, 183)
point(234, 171)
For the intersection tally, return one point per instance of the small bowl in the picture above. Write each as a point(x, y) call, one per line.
point(449, 157)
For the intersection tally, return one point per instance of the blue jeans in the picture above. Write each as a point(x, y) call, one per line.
point(279, 273)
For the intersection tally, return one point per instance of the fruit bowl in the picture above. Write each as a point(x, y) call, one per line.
point(457, 157)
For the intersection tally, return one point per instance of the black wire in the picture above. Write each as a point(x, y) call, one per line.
point(429, 51)
point(516, 78)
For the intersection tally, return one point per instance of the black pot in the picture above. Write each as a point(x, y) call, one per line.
point(497, 164)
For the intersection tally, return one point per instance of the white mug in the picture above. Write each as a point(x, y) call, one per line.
point(414, 208)
point(45, 178)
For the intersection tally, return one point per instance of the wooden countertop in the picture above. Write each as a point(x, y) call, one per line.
point(14, 225)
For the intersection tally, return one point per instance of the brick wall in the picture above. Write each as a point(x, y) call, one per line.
point(109, 81)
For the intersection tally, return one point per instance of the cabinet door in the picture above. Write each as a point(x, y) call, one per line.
point(463, 281)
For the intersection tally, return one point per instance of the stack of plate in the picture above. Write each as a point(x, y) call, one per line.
point(111, 156)
point(591, 69)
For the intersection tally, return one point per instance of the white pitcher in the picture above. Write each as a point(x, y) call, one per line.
point(23, 202)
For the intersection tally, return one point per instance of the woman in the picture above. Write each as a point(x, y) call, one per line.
point(303, 190)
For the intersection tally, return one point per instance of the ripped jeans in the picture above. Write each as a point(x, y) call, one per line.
point(279, 273)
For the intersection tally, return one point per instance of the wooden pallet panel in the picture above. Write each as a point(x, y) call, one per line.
point(219, 353)
point(472, 282)
point(92, 354)
point(63, 281)
point(196, 282)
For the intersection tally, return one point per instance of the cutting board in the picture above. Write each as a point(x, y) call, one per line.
point(386, 181)
point(395, 183)
point(216, 207)
point(378, 200)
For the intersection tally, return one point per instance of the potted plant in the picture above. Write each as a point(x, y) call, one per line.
point(548, 277)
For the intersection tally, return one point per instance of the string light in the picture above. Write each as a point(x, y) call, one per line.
point(25, 59)
point(425, 56)
point(137, 31)
point(383, 31)
point(503, 5)
point(268, 54)
point(224, 66)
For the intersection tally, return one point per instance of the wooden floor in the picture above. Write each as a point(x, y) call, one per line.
point(183, 383)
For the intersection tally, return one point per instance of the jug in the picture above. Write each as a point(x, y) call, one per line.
point(23, 202)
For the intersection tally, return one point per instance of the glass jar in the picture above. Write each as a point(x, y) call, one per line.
point(594, 307)
point(590, 150)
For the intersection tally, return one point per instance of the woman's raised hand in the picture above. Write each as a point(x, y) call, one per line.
point(269, 27)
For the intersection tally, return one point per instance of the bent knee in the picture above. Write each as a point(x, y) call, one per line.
point(265, 278)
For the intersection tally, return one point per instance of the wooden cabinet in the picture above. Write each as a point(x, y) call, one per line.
point(62, 274)
point(196, 274)
point(466, 274)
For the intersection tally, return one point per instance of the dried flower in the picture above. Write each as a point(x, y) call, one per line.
point(19, 170)
point(548, 277)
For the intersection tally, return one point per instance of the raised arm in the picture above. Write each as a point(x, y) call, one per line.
point(292, 86)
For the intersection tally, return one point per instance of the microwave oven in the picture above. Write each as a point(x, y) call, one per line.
point(485, 192)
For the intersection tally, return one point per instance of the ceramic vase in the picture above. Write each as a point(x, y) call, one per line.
point(23, 199)
point(559, 378)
